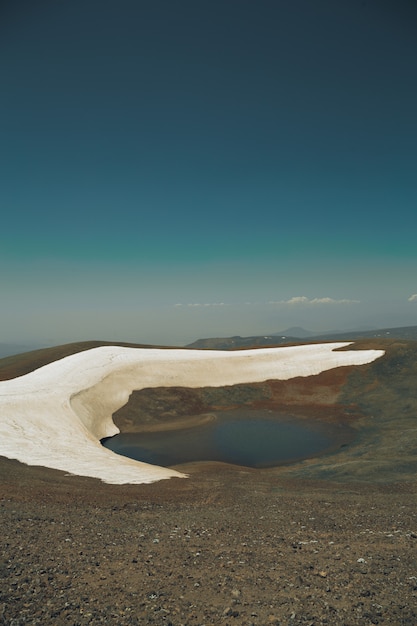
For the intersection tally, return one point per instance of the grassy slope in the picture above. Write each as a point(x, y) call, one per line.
point(385, 393)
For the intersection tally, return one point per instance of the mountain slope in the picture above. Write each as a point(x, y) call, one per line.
point(236, 342)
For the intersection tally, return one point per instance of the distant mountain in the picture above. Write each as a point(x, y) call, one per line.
point(297, 331)
point(402, 332)
point(237, 342)
point(294, 331)
point(231, 343)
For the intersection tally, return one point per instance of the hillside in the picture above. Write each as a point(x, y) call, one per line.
point(237, 342)
point(384, 390)
point(23, 363)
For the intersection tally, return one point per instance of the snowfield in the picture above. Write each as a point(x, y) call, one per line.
point(55, 416)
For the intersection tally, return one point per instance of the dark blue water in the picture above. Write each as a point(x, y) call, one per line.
point(250, 438)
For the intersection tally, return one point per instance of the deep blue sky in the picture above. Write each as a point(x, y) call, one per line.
point(177, 169)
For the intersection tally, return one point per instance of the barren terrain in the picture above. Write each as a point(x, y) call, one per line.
point(331, 540)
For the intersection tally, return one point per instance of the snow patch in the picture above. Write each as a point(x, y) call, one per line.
point(56, 415)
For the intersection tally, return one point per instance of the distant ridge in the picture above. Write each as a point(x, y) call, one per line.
point(237, 342)
point(295, 331)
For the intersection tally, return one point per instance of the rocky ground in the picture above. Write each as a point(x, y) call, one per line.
point(326, 541)
point(226, 546)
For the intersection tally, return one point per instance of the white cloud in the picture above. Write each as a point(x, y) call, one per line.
point(333, 301)
point(303, 300)
point(294, 301)
point(297, 300)
point(201, 304)
point(413, 298)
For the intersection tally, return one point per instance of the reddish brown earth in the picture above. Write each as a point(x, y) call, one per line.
point(331, 540)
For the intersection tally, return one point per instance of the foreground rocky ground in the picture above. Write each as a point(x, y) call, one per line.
point(223, 547)
point(326, 541)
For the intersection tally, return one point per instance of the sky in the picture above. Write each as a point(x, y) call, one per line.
point(179, 169)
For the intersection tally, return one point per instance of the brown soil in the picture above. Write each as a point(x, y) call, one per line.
point(326, 541)
point(226, 546)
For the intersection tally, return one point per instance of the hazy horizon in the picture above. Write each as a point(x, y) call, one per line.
point(15, 347)
point(173, 171)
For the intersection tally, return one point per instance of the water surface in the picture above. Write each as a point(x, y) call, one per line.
point(249, 438)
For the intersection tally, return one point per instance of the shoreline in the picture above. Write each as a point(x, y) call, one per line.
point(341, 435)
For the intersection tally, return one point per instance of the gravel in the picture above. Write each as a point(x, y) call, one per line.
point(224, 547)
